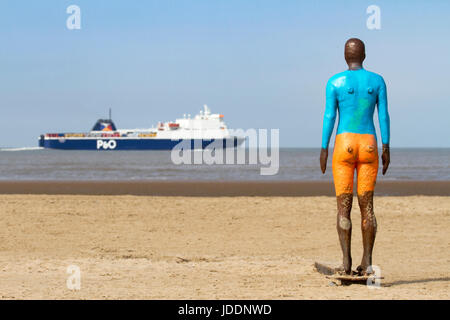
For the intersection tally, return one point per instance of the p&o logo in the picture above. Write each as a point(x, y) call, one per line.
point(107, 145)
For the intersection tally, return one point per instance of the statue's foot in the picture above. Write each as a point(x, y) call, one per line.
point(341, 271)
point(364, 270)
point(347, 265)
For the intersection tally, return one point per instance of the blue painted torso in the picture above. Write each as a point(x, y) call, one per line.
point(355, 93)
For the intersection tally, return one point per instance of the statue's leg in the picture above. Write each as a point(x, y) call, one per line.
point(367, 174)
point(343, 172)
point(369, 229)
point(344, 228)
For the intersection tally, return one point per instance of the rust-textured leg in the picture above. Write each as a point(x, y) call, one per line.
point(368, 227)
point(367, 169)
point(344, 228)
point(344, 157)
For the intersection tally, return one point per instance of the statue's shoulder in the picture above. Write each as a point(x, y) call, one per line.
point(375, 76)
point(338, 79)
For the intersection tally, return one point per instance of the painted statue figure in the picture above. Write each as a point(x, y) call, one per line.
point(354, 93)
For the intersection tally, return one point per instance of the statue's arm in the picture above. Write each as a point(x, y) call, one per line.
point(330, 115)
point(383, 118)
point(329, 119)
point(383, 114)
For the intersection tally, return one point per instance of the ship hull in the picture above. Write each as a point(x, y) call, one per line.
point(133, 144)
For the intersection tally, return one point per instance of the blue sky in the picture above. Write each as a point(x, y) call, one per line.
point(264, 64)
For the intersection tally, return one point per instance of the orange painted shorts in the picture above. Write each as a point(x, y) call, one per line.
point(355, 151)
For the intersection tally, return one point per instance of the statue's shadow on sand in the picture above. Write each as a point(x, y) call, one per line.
point(400, 282)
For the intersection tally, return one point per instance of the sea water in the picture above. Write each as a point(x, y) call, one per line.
point(294, 165)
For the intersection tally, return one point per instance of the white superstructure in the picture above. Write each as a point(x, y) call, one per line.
point(205, 125)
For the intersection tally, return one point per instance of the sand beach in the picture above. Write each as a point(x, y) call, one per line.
point(213, 246)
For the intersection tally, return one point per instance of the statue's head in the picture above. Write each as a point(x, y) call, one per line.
point(355, 53)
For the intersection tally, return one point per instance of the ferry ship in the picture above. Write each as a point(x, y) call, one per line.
point(202, 130)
